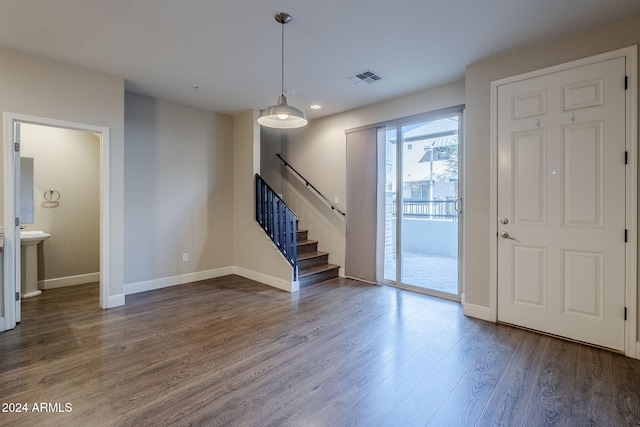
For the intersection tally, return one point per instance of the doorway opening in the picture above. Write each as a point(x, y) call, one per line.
point(422, 204)
point(71, 204)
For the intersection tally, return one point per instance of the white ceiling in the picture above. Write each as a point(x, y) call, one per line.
point(230, 49)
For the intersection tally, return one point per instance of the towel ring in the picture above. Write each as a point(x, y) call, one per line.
point(52, 195)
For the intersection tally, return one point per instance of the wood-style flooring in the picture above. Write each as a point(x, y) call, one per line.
point(232, 352)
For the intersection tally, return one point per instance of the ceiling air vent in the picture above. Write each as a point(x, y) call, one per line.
point(366, 77)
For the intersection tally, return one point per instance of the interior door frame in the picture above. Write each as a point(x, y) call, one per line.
point(632, 346)
point(12, 242)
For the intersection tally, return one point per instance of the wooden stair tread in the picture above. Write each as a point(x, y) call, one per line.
point(308, 255)
point(306, 242)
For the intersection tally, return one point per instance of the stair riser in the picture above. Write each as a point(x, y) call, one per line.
point(308, 247)
point(318, 277)
point(312, 262)
point(302, 235)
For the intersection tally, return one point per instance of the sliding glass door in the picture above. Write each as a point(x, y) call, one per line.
point(421, 211)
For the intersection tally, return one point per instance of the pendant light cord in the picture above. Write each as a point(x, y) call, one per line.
point(282, 64)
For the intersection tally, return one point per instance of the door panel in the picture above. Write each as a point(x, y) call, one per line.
point(583, 283)
point(583, 179)
point(529, 166)
point(529, 266)
point(561, 192)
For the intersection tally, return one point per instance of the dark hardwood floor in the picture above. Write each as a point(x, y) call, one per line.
point(232, 352)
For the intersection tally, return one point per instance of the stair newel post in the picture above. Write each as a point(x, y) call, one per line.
point(294, 245)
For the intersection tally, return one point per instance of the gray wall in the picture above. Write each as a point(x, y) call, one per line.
point(179, 189)
point(442, 240)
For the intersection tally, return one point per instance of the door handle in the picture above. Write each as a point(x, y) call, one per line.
point(505, 235)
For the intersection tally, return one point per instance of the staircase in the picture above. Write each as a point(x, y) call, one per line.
point(280, 223)
point(313, 266)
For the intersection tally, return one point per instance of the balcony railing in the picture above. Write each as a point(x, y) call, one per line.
point(429, 209)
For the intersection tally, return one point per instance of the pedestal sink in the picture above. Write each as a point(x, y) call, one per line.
point(29, 262)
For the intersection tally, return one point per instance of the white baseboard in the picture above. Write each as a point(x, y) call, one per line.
point(61, 282)
point(478, 311)
point(637, 355)
point(165, 282)
point(293, 286)
point(115, 301)
point(150, 285)
point(341, 272)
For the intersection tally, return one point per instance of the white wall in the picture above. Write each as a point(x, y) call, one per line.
point(68, 161)
point(319, 153)
point(179, 192)
point(39, 87)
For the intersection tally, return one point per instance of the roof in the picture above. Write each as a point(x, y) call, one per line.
point(435, 128)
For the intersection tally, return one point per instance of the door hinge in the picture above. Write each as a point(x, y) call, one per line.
point(626, 157)
point(626, 82)
point(17, 222)
point(625, 313)
point(626, 233)
point(16, 146)
point(17, 296)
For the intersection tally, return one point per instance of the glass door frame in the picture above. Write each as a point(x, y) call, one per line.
point(399, 124)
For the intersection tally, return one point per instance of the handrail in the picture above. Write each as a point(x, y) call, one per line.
point(308, 184)
point(278, 221)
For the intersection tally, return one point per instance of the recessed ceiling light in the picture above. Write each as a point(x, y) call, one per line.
point(315, 107)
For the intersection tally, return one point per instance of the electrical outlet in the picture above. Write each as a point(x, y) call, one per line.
point(185, 256)
point(336, 200)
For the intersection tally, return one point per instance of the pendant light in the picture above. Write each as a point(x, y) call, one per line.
point(282, 115)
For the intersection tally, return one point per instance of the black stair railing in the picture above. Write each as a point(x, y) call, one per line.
point(311, 186)
point(278, 221)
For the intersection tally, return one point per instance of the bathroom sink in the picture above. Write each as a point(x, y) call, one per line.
point(29, 261)
point(33, 236)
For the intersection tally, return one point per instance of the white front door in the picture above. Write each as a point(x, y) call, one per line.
point(561, 203)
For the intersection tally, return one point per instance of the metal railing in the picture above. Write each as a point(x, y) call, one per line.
point(308, 184)
point(278, 221)
point(430, 209)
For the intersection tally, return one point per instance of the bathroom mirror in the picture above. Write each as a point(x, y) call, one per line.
point(26, 190)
